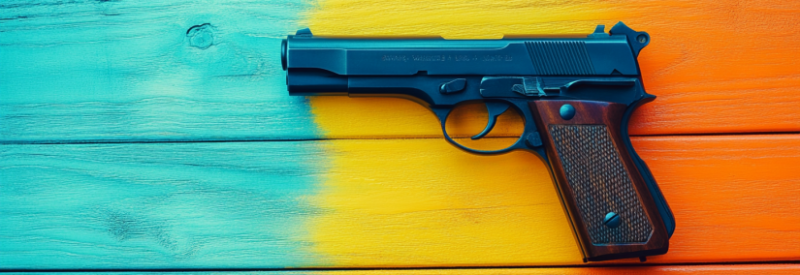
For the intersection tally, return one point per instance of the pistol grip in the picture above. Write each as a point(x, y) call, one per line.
point(611, 207)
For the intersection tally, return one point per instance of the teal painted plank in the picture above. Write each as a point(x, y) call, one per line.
point(163, 205)
point(127, 71)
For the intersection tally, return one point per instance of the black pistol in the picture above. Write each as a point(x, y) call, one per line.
point(575, 94)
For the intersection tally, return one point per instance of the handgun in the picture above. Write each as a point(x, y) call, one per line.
point(575, 95)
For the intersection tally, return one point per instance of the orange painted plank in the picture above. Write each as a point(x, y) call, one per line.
point(720, 66)
point(734, 197)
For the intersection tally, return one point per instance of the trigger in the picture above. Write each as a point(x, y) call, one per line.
point(495, 109)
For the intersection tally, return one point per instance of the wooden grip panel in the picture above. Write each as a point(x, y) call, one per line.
point(608, 202)
point(600, 184)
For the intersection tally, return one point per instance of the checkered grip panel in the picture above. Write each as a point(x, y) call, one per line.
point(600, 183)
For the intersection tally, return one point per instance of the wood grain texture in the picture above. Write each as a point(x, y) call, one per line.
point(596, 174)
point(128, 70)
point(125, 70)
point(716, 66)
point(263, 204)
point(672, 269)
point(88, 71)
point(212, 205)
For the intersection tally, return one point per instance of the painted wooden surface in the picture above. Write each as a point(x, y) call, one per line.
point(373, 184)
point(595, 173)
point(126, 70)
point(716, 66)
point(264, 204)
point(673, 269)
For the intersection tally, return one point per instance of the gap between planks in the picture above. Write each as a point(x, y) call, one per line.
point(791, 267)
point(134, 141)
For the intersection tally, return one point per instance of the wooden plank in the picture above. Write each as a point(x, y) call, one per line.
point(652, 269)
point(126, 70)
point(221, 205)
point(369, 203)
point(716, 66)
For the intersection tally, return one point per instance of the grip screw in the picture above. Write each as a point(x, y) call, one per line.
point(567, 111)
point(612, 220)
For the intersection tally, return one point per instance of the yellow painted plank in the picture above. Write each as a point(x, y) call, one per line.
point(422, 202)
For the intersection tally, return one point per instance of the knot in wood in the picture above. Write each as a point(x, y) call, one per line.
point(201, 36)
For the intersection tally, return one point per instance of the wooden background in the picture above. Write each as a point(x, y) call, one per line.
point(128, 142)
